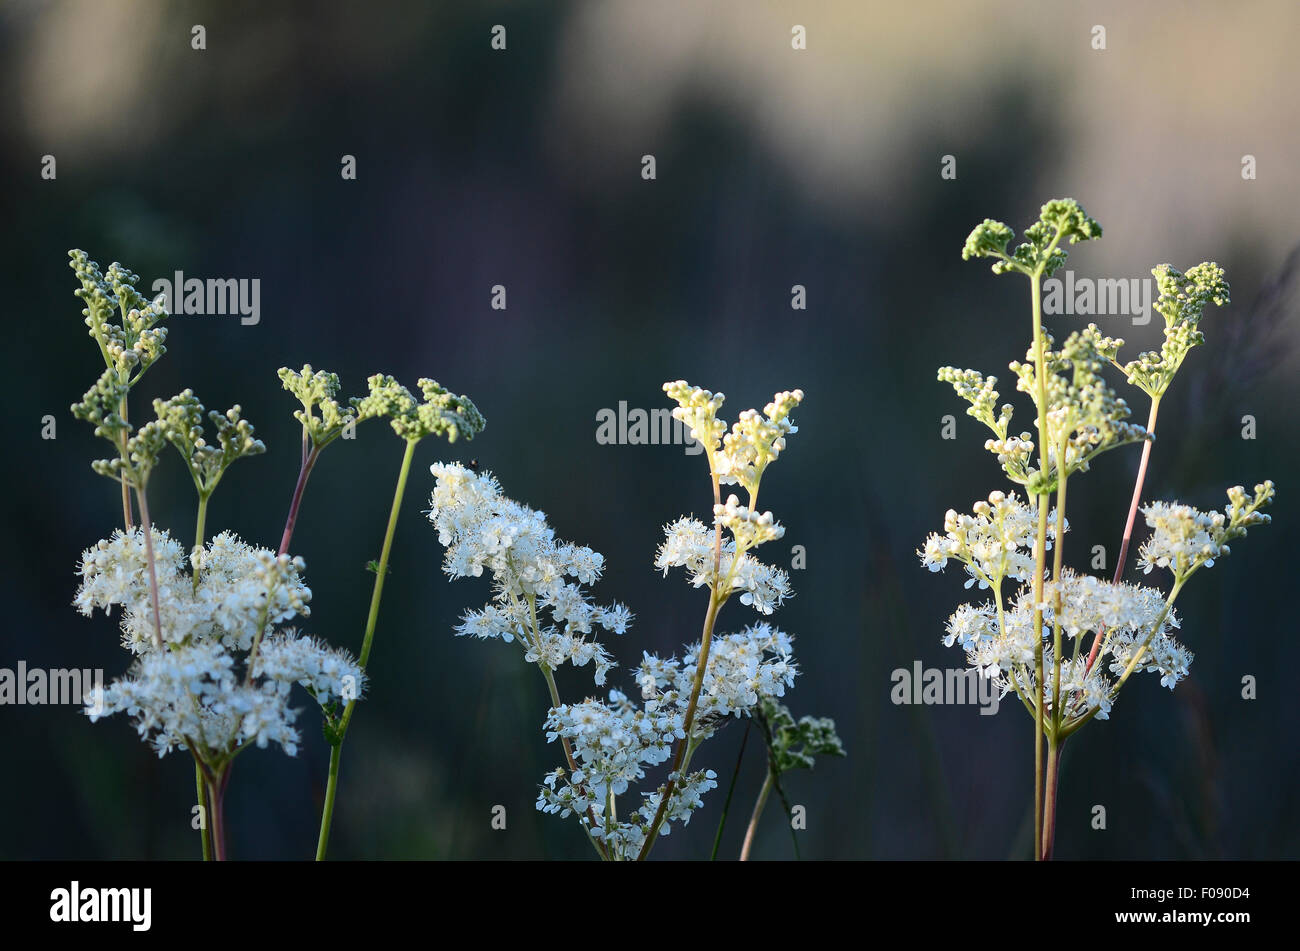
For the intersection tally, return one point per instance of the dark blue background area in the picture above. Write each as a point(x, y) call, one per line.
point(614, 284)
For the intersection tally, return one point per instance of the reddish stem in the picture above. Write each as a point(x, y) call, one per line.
point(1048, 844)
point(217, 812)
point(309, 460)
point(1128, 525)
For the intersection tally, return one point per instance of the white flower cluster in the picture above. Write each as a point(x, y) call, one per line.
point(486, 531)
point(1124, 614)
point(196, 691)
point(1184, 539)
point(689, 544)
point(609, 745)
point(1181, 537)
point(994, 543)
point(237, 585)
point(614, 742)
point(742, 671)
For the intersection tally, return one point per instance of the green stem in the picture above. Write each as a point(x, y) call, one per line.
point(331, 788)
point(1057, 566)
point(205, 836)
point(327, 813)
point(199, 527)
point(128, 521)
point(568, 750)
point(716, 597)
point(753, 819)
point(1040, 552)
point(731, 789)
point(147, 527)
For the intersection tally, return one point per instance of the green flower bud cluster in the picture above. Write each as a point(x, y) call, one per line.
point(181, 419)
point(124, 326)
point(1061, 219)
point(1084, 415)
point(1013, 452)
point(1243, 511)
point(1182, 302)
point(317, 391)
point(439, 413)
point(129, 341)
point(794, 744)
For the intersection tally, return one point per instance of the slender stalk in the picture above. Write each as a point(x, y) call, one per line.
point(331, 788)
point(199, 527)
point(759, 803)
point(128, 520)
point(304, 473)
point(1132, 517)
point(147, 528)
point(1046, 844)
point(1040, 549)
point(327, 812)
point(217, 819)
point(1053, 746)
point(688, 723)
point(1057, 566)
point(706, 641)
point(731, 789)
point(568, 750)
point(204, 831)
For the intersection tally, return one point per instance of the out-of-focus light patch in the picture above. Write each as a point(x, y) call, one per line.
point(84, 70)
point(1153, 128)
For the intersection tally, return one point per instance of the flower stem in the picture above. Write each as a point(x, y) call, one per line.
point(1132, 517)
point(759, 803)
point(199, 526)
point(304, 473)
point(706, 640)
point(205, 836)
point(217, 783)
point(327, 811)
point(372, 619)
point(731, 789)
point(128, 520)
point(1040, 550)
point(147, 527)
point(1047, 843)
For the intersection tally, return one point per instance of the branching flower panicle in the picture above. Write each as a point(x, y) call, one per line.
point(1033, 640)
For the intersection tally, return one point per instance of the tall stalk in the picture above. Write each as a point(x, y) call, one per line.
point(681, 756)
point(372, 619)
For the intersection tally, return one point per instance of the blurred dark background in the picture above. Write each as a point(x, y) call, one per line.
point(775, 167)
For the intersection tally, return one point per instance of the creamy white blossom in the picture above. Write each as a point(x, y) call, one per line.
point(197, 691)
point(994, 543)
point(534, 601)
point(239, 588)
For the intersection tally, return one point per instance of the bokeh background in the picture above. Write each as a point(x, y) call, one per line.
point(775, 167)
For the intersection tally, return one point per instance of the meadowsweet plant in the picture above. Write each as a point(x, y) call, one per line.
point(213, 662)
point(1066, 643)
point(541, 603)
